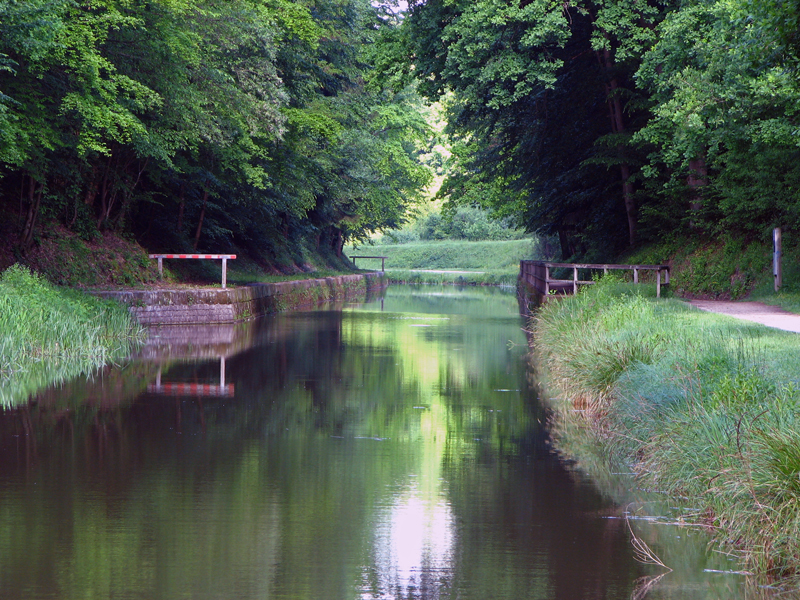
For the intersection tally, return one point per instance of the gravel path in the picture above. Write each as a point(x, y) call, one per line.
point(771, 316)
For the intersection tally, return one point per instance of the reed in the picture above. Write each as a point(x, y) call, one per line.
point(48, 334)
point(701, 407)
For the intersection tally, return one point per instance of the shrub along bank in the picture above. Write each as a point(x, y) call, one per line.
point(50, 334)
point(701, 407)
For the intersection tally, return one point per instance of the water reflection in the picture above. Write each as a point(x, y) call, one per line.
point(379, 451)
point(413, 548)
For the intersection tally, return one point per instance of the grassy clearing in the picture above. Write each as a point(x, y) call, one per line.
point(456, 262)
point(500, 256)
point(442, 277)
point(702, 407)
point(50, 334)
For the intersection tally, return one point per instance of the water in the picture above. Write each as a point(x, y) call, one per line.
point(391, 450)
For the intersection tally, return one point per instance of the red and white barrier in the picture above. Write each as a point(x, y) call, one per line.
point(223, 257)
point(191, 389)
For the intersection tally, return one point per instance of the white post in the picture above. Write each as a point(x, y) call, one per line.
point(635, 275)
point(160, 268)
point(574, 280)
point(224, 272)
point(222, 373)
point(658, 283)
point(776, 258)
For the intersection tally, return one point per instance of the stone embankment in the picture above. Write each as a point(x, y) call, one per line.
point(209, 306)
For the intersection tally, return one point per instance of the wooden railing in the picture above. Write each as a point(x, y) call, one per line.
point(536, 273)
point(383, 260)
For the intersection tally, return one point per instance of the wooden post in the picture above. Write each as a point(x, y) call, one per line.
point(224, 272)
point(546, 280)
point(383, 260)
point(776, 258)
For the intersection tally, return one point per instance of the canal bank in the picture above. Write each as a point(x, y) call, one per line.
point(209, 306)
point(697, 407)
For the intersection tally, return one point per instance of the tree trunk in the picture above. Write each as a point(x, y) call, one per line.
point(181, 206)
point(566, 246)
point(630, 203)
point(104, 190)
point(34, 201)
point(696, 180)
point(338, 241)
point(91, 189)
point(127, 197)
point(200, 221)
point(618, 126)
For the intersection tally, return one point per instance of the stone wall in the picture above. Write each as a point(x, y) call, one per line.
point(209, 306)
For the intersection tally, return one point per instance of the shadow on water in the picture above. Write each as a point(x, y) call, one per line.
point(388, 450)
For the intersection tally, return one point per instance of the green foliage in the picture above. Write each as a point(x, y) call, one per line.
point(543, 104)
point(104, 260)
point(454, 255)
point(48, 334)
point(723, 81)
point(727, 268)
point(244, 124)
point(596, 119)
point(463, 223)
point(700, 406)
point(506, 279)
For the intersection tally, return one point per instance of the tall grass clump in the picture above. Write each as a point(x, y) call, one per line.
point(48, 334)
point(701, 407)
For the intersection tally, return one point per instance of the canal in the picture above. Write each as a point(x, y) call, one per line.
point(394, 449)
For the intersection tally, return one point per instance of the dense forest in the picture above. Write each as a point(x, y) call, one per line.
point(613, 122)
point(254, 124)
point(247, 124)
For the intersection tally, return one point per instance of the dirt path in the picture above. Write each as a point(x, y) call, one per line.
point(771, 316)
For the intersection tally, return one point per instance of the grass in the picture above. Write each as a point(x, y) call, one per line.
point(722, 267)
point(701, 406)
point(443, 277)
point(452, 254)
point(50, 334)
point(450, 261)
point(728, 268)
point(243, 278)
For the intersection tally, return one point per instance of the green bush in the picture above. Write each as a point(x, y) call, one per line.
point(464, 223)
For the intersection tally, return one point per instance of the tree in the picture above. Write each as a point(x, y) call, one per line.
point(544, 92)
point(203, 124)
point(723, 78)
